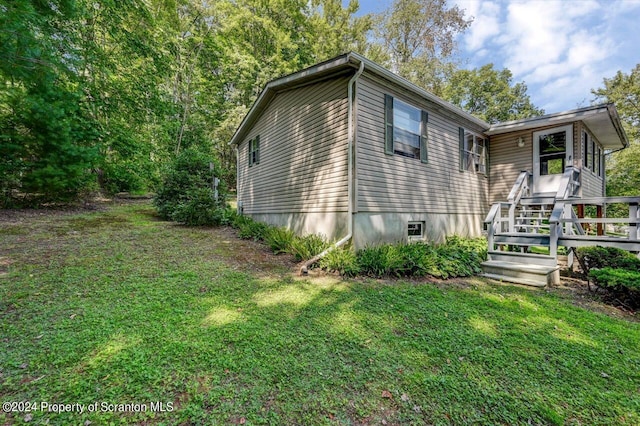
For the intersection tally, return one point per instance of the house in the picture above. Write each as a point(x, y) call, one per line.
point(349, 150)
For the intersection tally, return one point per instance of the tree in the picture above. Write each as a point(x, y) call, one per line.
point(47, 137)
point(419, 37)
point(624, 91)
point(490, 94)
point(122, 67)
point(336, 30)
point(623, 175)
point(110, 92)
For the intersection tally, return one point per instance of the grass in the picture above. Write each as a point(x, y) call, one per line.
point(121, 308)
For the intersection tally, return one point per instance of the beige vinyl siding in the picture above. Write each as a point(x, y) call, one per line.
point(507, 161)
point(303, 153)
point(393, 183)
point(592, 184)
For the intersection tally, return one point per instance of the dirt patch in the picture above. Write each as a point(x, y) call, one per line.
point(98, 204)
point(249, 255)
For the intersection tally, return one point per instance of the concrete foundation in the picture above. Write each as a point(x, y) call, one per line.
point(332, 226)
point(381, 228)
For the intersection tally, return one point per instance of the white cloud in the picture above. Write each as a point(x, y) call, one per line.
point(561, 49)
point(485, 22)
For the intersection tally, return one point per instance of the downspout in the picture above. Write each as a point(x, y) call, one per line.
point(239, 203)
point(350, 138)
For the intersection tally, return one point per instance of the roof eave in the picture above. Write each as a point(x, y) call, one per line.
point(289, 80)
point(347, 60)
point(601, 119)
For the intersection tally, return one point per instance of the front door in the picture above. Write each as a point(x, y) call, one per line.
point(552, 152)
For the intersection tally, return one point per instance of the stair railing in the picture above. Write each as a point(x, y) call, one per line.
point(563, 209)
point(569, 184)
point(496, 219)
point(521, 188)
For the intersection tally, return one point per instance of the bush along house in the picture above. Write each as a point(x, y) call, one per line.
point(349, 150)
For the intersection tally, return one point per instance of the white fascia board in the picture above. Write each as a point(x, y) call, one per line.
point(350, 59)
point(602, 120)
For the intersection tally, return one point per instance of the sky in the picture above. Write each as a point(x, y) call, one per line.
point(561, 49)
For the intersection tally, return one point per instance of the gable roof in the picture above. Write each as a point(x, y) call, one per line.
point(335, 66)
point(602, 120)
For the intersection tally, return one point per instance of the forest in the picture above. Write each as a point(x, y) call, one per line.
point(99, 96)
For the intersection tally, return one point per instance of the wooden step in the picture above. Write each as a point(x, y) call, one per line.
point(521, 273)
point(538, 226)
point(534, 215)
point(523, 258)
point(522, 239)
point(538, 200)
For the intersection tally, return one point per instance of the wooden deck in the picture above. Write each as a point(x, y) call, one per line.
point(529, 220)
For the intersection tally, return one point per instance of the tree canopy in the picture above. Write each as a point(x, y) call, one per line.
point(490, 94)
point(419, 38)
point(101, 95)
point(623, 174)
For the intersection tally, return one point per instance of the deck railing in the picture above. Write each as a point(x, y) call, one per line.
point(502, 214)
point(567, 229)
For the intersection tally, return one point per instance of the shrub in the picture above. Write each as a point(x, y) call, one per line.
point(372, 261)
point(304, 248)
point(198, 208)
point(457, 257)
point(185, 194)
point(460, 257)
point(602, 257)
point(615, 271)
point(252, 230)
point(342, 260)
point(278, 239)
point(616, 279)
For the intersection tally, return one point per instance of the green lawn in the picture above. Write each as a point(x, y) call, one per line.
point(117, 307)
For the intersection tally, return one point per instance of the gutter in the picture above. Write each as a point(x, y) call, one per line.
point(351, 136)
point(239, 206)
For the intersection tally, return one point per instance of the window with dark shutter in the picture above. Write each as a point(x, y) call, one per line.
point(405, 129)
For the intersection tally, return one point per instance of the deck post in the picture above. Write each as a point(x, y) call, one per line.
point(567, 214)
point(512, 217)
point(599, 215)
point(634, 216)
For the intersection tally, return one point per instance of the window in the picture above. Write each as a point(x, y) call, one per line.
point(254, 151)
point(553, 149)
point(405, 129)
point(415, 231)
point(473, 152)
point(593, 155)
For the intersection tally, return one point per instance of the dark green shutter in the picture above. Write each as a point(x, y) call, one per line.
point(257, 149)
point(461, 147)
point(486, 158)
point(584, 148)
point(424, 137)
point(249, 146)
point(388, 124)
